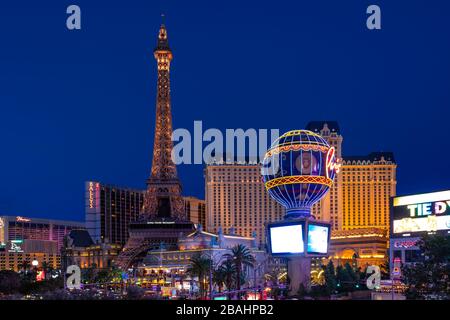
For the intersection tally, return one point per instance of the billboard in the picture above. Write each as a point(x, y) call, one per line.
point(421, 213)
point(318, 238)
point(287, 239)
point(298, 237)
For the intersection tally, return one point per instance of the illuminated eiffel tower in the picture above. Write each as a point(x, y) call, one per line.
point(162, 219)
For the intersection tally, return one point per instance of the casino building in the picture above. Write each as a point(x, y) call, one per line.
point(236, 198)
point(172, 263)
point(362, 247)
point(80, 250)
point(21, 228)
point(23, 240)
point(358, 199)
point(413, 216)
point(359, 196)
point(109, 210)
point(328, 208)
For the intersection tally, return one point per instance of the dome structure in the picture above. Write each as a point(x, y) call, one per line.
point(298, 170)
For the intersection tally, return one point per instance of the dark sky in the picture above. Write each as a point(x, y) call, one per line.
point(79, 105)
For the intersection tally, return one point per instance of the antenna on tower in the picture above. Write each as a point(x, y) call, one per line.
point(163, 18)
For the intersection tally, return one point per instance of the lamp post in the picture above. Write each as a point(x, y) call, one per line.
point(254, 274)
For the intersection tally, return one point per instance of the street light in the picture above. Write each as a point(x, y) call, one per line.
point(35, 263)
point(255, 268)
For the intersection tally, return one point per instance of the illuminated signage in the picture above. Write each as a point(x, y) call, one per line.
point(425, 209)
point(424, 224)
point(40, 275)
point(22, 219)
point(331, 162)
point(298, 237)
point(91, 194)
point(2, 233)
point(429, 212)
point(397, 271)
point(405, 244)
point(15, 246)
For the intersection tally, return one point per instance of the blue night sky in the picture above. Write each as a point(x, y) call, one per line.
point(79, 105)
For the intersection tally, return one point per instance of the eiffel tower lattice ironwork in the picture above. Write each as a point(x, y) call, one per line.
point(163, 197)
point(162, 218)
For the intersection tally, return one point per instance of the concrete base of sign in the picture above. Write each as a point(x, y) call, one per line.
point(299, 272)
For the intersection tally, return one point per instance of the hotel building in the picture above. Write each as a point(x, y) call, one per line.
point(17, 255)
point(21, 228)
point(327, 209)
point(82, 251)
point(109, 210)
point(195, 210)
point(364, 247)
point(359, 198)
point(23, 240)
point(236, 200)
point(368, 183)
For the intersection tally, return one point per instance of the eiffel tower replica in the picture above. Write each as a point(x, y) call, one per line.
point(162, 220)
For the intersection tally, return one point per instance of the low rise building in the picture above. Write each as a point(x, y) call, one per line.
point(362, 247)
point(80, 250)
point(18, 255)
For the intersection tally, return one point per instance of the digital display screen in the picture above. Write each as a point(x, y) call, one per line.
point(317, 238)
point(287, 239)
point(421, 213)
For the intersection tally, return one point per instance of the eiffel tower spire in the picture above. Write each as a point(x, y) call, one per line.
point(163, 197)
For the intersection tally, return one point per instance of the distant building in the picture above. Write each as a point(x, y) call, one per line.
point(80, 250)
point(195, 210)
point(110, 209)
point(236, 198)
point(17, 255)
point(22, 228)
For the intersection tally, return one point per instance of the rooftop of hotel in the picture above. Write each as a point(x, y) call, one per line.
point(371, 157)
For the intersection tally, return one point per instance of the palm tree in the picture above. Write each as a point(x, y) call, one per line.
point(241, 257)
point(228, 269)
point(199, 266)
point(219, 278)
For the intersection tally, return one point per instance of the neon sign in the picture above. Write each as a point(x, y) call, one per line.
point(91, 195)
point(423, 224)
point(22, 219)
point(15, 246)
point(40, 275)
point(405, 244)
point(425, 209)
point(428, 212)
point(332, 163)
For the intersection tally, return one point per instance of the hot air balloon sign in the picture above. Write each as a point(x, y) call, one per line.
point(298, 170)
